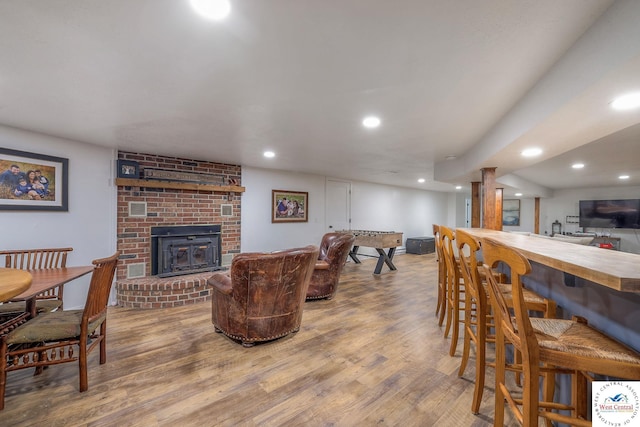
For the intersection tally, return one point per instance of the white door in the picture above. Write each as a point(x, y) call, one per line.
point(338, 206)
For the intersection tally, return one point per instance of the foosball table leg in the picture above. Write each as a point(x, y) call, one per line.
point(385, 258)
point(354, 254)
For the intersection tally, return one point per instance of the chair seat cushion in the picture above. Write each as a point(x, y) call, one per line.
point(529, 296)
point(54, 326)
point(42, 306)
point(46, 305)
point(580, 339)
point(13, 307)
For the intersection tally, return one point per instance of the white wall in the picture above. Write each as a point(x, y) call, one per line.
point(389, 208)
point(566, 203)
point(456, 214)
point(90, 224)
point(258, 233)
point(457, 209)
point(527, 218)
point(373, 207)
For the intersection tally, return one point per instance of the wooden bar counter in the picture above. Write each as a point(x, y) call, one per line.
point(601, 285)
point(616, 270)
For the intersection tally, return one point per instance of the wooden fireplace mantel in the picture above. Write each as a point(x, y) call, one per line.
point(151, 183)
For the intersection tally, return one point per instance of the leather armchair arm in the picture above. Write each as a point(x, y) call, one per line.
point(222, 282)
point(321, 265)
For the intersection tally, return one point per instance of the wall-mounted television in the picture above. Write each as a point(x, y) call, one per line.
point(610, 213)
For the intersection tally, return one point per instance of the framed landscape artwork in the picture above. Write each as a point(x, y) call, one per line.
point(511, 212)
point(289, 206)
point(31, 181)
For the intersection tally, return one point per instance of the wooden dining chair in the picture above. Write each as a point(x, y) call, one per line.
point(32, 259)
point(547, 344)
point(478, 319)
point(62, 336)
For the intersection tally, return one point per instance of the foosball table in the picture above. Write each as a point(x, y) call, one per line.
point(379, 240)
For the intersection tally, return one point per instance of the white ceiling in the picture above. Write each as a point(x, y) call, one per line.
point(475, 79)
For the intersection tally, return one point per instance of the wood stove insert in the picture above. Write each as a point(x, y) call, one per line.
point(185, 249)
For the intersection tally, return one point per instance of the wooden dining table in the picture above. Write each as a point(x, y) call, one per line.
point(45, 279)
point(13, 282)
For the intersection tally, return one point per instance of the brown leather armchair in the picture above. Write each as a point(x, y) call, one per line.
point(263, 295)
point(334, 250)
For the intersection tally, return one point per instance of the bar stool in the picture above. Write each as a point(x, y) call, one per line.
point(442, 276)
point(547, 344)
point(455, 295)
point(478, 319)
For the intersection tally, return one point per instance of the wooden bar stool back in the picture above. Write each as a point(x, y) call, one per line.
point(442, 276)
point(454, 288)
point(569, 346)
point(478, 319)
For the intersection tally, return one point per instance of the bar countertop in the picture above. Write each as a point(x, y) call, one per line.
point(616, 270)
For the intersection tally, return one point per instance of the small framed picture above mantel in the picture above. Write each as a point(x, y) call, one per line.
point(33, 181)
point(289, 206)
point(128, 169)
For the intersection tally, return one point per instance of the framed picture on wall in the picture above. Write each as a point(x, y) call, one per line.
point(289, 206)
point(128, 169)
point(511, 212)
point(32, 181)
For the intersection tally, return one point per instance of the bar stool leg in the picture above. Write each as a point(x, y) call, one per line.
point(455, 321)
point(450, 307)
point(498, 416)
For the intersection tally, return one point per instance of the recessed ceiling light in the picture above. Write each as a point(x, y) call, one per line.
point(421, 180)
point(450, 158)
point(269, 154)
point(371, 122)
point(212, 9)
point(518, 194)
point(623, 177)
point(532, 152)
point(627, 102)
point(458, 187)
point(577, 165)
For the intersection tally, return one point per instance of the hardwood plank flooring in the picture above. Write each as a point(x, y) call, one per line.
point(373, 355)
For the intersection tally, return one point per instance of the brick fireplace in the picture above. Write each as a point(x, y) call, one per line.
point(142, 208)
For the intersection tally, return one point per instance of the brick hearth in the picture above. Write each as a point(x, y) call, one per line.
point(155, 292)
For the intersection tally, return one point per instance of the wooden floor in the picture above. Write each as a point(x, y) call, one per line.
point(373, 355)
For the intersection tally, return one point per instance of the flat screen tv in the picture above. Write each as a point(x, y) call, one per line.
point(610, 213)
